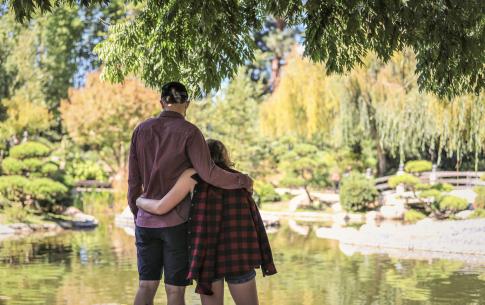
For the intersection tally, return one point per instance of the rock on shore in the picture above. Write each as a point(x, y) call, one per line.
point(459, 237)
point(23, 229)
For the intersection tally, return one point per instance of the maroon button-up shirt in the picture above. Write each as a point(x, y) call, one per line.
point(162, 148)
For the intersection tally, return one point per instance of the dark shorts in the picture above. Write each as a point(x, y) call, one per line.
point(163, 250)
point(239, 279)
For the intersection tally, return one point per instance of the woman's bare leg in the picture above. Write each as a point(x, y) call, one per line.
point(245, 293)
point(217, 298)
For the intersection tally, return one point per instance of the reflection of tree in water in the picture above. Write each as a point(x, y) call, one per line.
point(34, 248)
point(29, 268)
point(319, 273)
point(412, 278)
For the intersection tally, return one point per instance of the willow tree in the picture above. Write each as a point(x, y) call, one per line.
point(459, 127)
point(304, 104)
point(383, 102)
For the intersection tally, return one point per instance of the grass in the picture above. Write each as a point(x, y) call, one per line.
point(478, 213)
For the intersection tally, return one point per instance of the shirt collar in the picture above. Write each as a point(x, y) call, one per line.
point(171, 114)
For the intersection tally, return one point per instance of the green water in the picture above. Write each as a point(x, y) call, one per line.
point(99, 267)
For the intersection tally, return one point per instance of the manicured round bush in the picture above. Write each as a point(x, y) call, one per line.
point(432, 193)
point(15, 212)
point(357, 192)
point(423, 186)
point(418, 166)
point(443, 187)
point(46, 191)
point(413, 216)
point(33, 164)
point(266, 192)
point(49, 169)
point(452, 203)
point(86, 170)
point(13, 187)
point(29, 150)
point(408, 180)
point(11, 166)
point(480, 198)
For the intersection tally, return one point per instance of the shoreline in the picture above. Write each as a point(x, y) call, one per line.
point(427, 239)
point(20, 230)
point(454, 239)
point(71, 219)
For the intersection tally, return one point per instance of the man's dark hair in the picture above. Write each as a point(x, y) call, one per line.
point(174, 93)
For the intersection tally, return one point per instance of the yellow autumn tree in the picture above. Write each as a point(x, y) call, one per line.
point(305, 103)
point(102, 116)
point(24, 115)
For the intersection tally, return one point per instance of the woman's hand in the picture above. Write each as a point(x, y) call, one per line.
point(182, 187)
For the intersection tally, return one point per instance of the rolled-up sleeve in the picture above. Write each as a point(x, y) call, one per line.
point(199, 155)
point(134, 177)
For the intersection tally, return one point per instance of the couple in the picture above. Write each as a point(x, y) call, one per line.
point(194, 215)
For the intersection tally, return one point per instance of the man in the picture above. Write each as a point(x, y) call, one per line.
point(161, 149)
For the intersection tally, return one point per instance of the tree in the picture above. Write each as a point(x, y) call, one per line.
point(24, 116)
point(274, 42)
point(304, 165)
point(305, 103)
point(232, 116)
point(100, 116)
point(203, 43)
point(41, 59)
point(31, 177)
point(383, 103)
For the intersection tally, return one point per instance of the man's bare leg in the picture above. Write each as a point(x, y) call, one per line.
point(175, 294)
point(245, 293)
point(217, 298)
point(146, 292)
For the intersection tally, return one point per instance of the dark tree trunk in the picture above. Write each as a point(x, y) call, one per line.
point(276, 61)
point(308, 194)
point(381, 159)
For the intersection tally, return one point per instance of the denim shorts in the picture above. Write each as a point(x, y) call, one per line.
point(239, 279)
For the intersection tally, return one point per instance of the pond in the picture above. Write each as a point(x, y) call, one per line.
point(99, 267)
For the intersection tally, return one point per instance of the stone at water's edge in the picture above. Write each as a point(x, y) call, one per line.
point(6, 230)
point(395, 211)
point(464, 214)
point(125, 219)
point(24, 229)
point(79, 220)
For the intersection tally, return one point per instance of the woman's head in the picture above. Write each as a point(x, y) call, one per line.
point(219, 153)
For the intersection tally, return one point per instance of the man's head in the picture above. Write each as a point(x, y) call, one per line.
point(174, 97)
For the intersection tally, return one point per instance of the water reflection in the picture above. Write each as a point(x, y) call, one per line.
point(99, 267)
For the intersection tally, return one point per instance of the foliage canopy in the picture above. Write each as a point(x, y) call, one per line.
point(203, 42)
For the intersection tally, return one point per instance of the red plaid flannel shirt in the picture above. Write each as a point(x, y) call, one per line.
point(227, 236)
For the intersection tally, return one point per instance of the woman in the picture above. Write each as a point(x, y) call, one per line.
point(227, 236)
